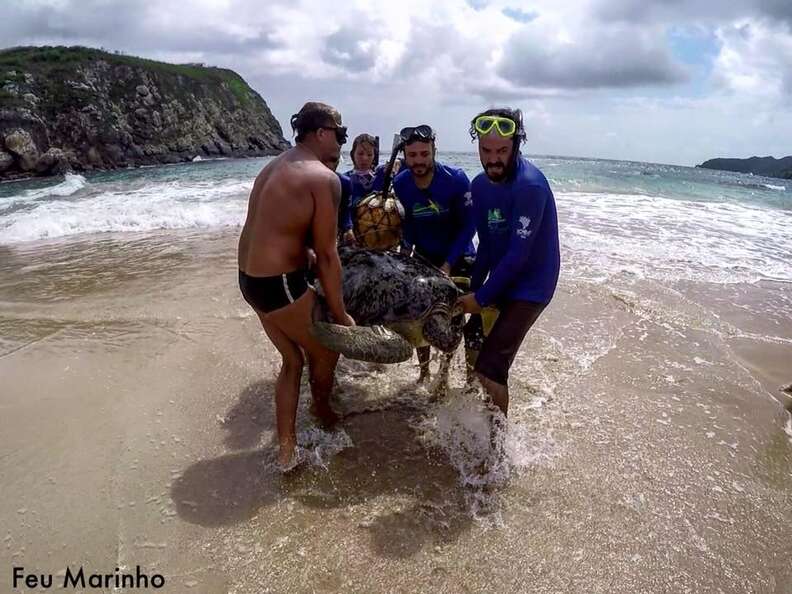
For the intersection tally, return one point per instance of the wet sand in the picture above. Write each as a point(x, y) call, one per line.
point(647, 449)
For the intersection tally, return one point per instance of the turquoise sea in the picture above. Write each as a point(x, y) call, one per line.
point(657, 221)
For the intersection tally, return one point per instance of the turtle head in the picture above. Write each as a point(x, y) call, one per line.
point(443, 330)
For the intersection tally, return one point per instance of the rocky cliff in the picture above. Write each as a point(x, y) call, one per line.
point(767, 166)
point(82, 109)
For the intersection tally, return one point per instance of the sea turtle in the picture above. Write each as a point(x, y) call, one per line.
point(399, 302)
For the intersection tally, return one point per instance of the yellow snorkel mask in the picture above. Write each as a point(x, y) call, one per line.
point(505, 127)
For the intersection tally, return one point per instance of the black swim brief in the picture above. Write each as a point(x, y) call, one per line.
point(498, 348)
point(268, 293)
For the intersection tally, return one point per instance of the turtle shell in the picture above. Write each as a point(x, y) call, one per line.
point(397, 301)
point(377, 221)
point(382, 287)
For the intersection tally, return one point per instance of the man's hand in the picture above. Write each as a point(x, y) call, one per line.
point(311, 257)
point(446, 269)
point(348, 238)
point(469, 303)
point(347, 320)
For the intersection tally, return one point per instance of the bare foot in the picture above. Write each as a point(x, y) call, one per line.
point(288, 456)
point(324, 414)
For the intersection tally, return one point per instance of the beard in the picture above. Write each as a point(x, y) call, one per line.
point(420, 170)
point(496, 171)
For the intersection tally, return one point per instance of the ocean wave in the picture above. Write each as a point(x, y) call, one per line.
point(750, 185)
point(174, 205)
point(669, 239)
point(72, 184)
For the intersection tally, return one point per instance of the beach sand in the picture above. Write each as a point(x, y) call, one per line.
point(647, 446)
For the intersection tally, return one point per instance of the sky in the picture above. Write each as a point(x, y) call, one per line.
point(666, 81)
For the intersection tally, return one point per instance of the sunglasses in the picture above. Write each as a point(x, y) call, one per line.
point(422, 133)
point(505, 127)
point(340, 133)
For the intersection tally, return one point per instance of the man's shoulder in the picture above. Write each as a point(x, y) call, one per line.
point(318, 176)
point(531, 175)
point(401, 178)
point(479, 180)
point(453, 179)
point(451, 172)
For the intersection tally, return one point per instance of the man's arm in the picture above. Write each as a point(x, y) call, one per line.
point(407, 241)
point(327, 196)
point(527, 214)
point(244, 237)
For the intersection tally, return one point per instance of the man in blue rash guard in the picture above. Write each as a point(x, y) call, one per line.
point(517, 262)
point(438, 223)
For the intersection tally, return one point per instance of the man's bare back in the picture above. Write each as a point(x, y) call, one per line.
point(280, 213)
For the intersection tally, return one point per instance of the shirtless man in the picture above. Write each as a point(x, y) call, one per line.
point(293, 209)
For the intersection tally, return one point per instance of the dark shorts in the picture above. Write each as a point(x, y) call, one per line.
point(268, 293)
point(498, 349)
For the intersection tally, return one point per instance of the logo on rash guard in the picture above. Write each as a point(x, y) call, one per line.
point(496, 222)
point(523, 232)
point(431, 209)
point(468, 199)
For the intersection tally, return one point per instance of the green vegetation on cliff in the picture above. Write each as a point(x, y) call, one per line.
point(55, 63)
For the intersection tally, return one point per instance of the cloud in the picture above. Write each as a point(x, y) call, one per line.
point(711, 11)
point(607, 57)
point(754, 60)
point(779, 9)
point(350, 49)
point(131, 27)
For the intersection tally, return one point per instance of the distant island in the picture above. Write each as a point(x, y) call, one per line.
point(82, 109)
point(766, 166)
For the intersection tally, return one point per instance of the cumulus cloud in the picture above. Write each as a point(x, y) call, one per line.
point(754, 60)
point(350, 49)
point(616, 56)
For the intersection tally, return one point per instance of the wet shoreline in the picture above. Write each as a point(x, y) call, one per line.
point(647, 447)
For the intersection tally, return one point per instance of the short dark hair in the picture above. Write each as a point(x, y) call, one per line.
point(313, 116)
point(514, 115)
point(365, 139)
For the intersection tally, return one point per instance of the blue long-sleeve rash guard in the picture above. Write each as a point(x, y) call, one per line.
point(362, 184)
point(517, 225)
point(439, 219)
point(345, 207)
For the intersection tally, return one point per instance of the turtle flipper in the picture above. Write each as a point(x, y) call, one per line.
point(374, 344)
